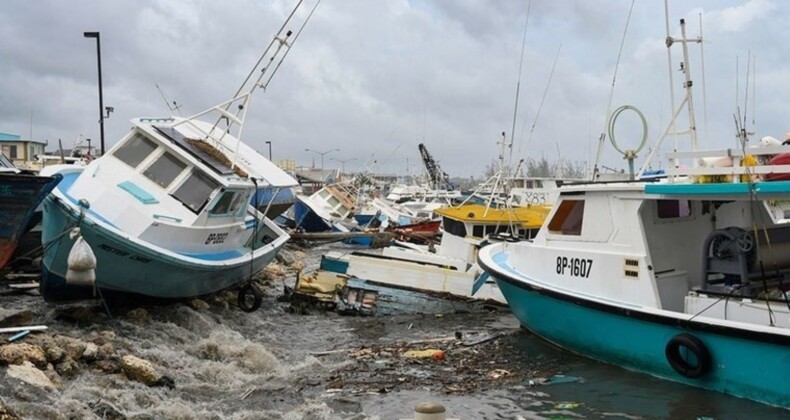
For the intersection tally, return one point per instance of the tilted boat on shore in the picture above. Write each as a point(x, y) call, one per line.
point(169, 211)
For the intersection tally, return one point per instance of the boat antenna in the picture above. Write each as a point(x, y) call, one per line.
point(746, 89)
point(545, 93)
point(704, 90)
point(518, 83)
point(602, 137)
point(754, 89)
point(687, 102)
point(174, 107)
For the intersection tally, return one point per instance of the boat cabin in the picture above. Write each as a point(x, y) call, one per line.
point(170, 190)
point(688, 248)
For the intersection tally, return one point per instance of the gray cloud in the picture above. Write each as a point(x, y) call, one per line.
point(376, 78)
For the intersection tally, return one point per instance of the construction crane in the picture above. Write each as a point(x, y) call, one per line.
point(439, 179)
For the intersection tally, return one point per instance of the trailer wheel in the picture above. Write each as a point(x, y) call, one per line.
point(250, 298)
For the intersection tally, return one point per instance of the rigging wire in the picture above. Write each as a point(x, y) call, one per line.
point(602, 137)
point(518, 84)
point(545, 93)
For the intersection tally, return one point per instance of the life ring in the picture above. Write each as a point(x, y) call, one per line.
point(249, 298)
point(680, 363)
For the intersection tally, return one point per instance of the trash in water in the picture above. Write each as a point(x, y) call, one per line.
point(554, 380)
point(562, 379)
point(567, 405)
point(434, 354)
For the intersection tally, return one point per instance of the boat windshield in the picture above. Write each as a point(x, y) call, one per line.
point(135, 150)
point(230, 203)
point(165, 169)
point(568, 218)
point(194, 192)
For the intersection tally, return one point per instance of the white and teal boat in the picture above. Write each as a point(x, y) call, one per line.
point(685, 278)
point(171, 210)
point(164, 218)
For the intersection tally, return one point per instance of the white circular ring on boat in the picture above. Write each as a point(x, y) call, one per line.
point(613, 119)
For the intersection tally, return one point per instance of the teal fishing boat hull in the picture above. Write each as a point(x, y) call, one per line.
point(129, 268)
point(744, 363)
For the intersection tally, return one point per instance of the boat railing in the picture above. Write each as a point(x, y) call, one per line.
point(728, 162)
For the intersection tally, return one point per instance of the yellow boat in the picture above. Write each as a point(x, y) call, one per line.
point(478, 221)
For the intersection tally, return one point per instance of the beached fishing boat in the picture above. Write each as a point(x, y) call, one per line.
point(683, 278)
point(170, 211)
point(21, 193)
point(321, 211)
point(450, 268)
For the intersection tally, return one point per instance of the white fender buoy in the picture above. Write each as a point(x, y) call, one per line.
point(769, 141)
point(81, 262)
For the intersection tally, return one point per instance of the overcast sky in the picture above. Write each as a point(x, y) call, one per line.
point(375, 78)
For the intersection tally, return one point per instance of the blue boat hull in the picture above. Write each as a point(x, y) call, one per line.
point(130, 268)
point(20, 195)
point(306, 219)
point(363, 219)
point(754, 366)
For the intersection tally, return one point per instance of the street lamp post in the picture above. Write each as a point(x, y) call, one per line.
point(322, 159)
point(343, 163)
point(101, 96)
point(270, 149)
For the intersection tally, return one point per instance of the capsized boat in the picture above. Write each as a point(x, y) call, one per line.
point(169, 211)
point(331, 205)
point(21, 192)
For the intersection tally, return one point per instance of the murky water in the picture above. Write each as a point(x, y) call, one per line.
point(227, 364)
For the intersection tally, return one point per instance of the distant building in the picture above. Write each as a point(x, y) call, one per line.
point(20, 151)
point(288, 165)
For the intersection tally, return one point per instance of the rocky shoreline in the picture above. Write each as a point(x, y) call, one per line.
point(49, 361)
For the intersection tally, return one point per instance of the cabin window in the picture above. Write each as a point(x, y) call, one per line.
point(165, 170)
point(454, 227)
point(477, 231)
point(568, 218)
point(135, 150)
point(673, 209)
point(195, 191)
point(229, 203)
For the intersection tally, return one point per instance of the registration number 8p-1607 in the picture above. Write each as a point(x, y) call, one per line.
point(577, 267)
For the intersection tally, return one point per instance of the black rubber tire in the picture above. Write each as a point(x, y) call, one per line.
point(249, 298)
point(681, 365)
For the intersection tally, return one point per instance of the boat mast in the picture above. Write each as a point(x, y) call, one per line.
point(267, 65)
point(688, 100)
